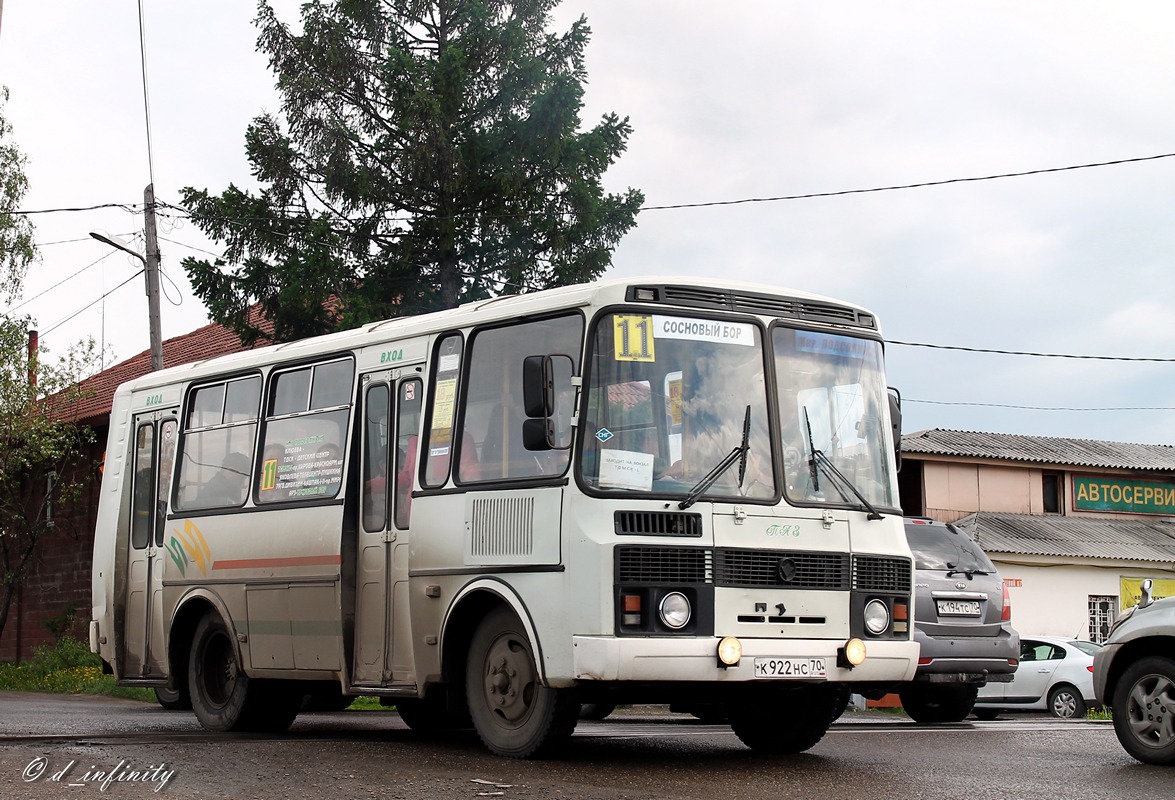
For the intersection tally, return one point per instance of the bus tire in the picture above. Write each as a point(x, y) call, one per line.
point(930, 704)
point(514, 714)
point(784, 723)
point(223, 697)
point(173, 699)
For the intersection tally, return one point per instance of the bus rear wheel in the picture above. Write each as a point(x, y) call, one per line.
point(223, 697)
point(514, 714)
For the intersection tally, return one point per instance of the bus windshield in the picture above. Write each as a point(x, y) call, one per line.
point(667, 403)
point(832, 403)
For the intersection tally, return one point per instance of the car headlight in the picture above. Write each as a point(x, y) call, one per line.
point(674, 610)
point(876, 617)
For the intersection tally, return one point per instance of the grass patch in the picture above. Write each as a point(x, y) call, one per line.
point(66, 668)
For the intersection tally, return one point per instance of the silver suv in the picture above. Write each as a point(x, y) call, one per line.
point(962, 620)
point(1134, 674)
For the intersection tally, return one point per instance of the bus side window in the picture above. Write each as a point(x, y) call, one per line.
point(446, 384)
point(375, 458)
point(408, 406)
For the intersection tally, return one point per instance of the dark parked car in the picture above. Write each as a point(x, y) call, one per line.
point(962, 620)
point(1134, 674)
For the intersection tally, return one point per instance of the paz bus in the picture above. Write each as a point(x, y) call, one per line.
point(664, 490)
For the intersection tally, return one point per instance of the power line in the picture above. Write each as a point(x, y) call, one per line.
point(1027, 353)
point(909, 185)
point(88, 305)
point(1038, 408)
point(59, 283)
point(811, 195)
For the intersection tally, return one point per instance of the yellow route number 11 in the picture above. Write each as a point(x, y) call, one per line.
point(633, 338)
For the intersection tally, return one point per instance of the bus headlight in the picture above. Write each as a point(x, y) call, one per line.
point(730, 651)
point(674, 611)
point(876, 617)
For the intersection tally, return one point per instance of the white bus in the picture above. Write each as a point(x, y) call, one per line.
point(654, 490)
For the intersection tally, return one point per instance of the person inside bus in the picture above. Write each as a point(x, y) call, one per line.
point(228, 486)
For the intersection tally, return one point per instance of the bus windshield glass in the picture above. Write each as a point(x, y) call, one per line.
point(667, 403)
point(832, 408)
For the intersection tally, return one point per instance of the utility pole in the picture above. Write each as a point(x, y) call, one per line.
point(151, 265)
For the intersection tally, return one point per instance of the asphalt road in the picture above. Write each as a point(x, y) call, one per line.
point(69, 747)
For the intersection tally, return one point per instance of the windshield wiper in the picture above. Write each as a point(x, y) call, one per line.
point(952, 569)
point(838, 478)
point(844, 483)
point(737, 454)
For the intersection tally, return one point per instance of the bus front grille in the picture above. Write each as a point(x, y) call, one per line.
point(785, 570)
point(651, 565)
point(881, 574)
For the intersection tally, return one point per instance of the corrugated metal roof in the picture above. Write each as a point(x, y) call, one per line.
point(1050, 535)
point(1041, 449)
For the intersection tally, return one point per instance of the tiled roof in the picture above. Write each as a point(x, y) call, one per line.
point(203, 343)
point(1040, 449)
point(1072, 537)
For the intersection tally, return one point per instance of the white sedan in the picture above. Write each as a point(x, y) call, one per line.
point(1055, 675)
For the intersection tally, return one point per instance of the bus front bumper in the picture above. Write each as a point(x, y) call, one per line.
point(605, 658)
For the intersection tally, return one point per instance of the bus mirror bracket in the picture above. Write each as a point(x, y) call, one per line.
point(895, 421)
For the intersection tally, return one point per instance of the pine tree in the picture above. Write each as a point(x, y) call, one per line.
point(429, 154)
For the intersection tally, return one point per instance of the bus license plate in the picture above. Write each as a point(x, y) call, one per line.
point(791, 668)
point(958, 608)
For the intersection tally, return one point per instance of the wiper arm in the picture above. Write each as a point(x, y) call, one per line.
point(737, 454)
point(819, 459)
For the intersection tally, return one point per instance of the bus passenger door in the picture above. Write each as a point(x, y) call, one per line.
point(383, 636)
point(144, 654)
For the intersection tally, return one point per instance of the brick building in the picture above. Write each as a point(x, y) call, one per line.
point(54, 598)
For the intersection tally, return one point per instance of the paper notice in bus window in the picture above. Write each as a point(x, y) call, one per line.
point(442, 415)
point(625, 469)
point(449, 363)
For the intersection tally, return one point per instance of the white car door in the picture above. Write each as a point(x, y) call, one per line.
point(1038, 661)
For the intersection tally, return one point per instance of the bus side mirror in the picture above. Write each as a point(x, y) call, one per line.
point(548, 397)
point(895, 421)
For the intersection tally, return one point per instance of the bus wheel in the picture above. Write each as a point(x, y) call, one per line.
point(785, 722)
point(513, 713)
point(218, 688)
point(173, 699)
point(224, 697)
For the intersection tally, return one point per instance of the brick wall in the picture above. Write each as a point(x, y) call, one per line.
point(57, 580)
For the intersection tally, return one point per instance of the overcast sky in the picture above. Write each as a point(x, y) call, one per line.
point(760, 99)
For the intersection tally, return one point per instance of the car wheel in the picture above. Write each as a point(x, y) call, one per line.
point(986, 714)
point(1144, 710)
point(1065, 702)
point(931, 703)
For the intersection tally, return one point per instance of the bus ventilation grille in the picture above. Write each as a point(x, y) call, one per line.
point(658, 523)
point(755, 303)
point(502, 526)
point(881, 574)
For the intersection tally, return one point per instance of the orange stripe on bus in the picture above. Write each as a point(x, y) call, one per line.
point(261, 563)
